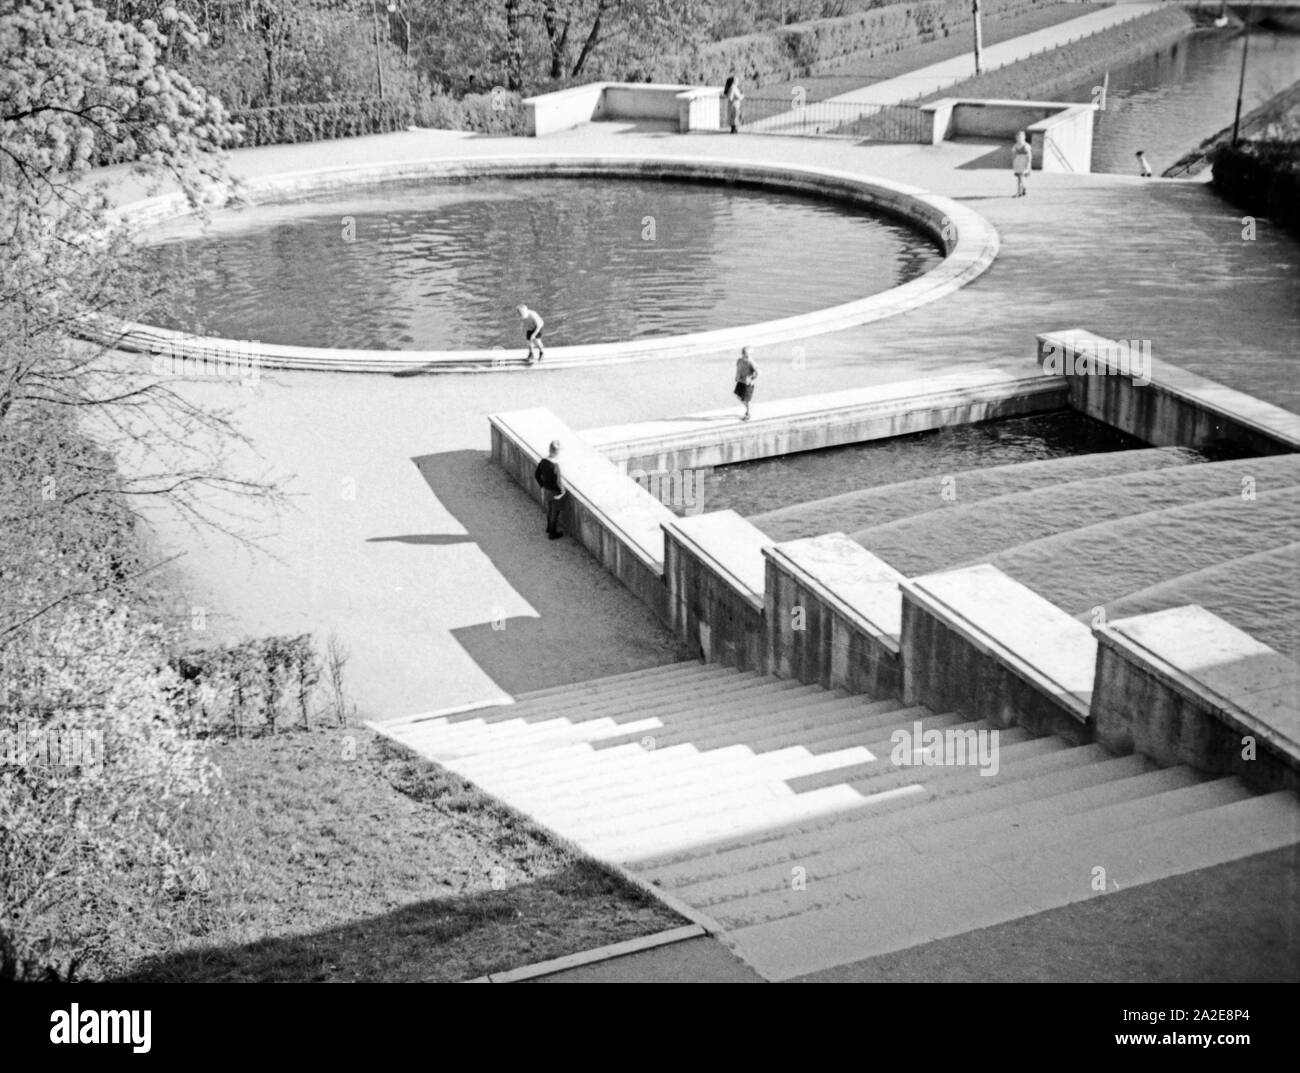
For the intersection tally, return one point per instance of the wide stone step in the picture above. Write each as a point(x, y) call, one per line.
point(867, 847)
point(609, 702)
point(1037, 757)
point(754, 708)
point(898, 855)
point(663, 673)
point(1042, 791)
point(899, 911)
point(685, 772)
point(803, 711)
point(726, 792)
point(684, 836)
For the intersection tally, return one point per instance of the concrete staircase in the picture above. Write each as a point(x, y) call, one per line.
point(775, 809)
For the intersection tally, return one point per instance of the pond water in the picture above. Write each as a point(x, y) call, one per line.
point(432, 266)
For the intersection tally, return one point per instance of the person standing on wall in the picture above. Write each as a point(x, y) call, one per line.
point(551, 480)
point(732, 97)
point(533, 325)
point(1144, 168)
point(746, 374)
point(1021, 160)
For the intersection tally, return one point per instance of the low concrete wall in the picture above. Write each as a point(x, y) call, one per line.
point(565, 109)
point(834, 615)
point(700, 109)
point(1059, 132)
point(1122, 384)
point(812, 422)
point(612, 517)
point(1184, 687)
point(977, 642)
point(713, 571)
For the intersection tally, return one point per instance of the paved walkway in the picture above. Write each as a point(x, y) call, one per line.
point(939, 76)
point(405, 541)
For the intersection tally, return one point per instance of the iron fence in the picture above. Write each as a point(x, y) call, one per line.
point(836, 119)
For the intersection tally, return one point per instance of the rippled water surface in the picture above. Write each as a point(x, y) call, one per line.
point(1168, 102)
point(754, 487)
point(442, 265)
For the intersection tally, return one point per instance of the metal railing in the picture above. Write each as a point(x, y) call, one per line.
point(836, 119)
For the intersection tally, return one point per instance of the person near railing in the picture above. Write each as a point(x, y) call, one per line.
point(1021, 161)
point(732, 97)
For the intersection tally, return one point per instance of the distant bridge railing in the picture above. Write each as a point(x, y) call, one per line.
point(836, 119)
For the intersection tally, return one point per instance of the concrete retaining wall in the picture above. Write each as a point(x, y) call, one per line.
point(1059, 132)
point(713, 571)
point(833, 614)
point(1184, 687)
point(611, 516)
point(975, 641)
point(1124, 385)
point(813, 422)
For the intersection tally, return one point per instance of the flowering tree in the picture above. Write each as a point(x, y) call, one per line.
point(79, 665)
point(78, 90)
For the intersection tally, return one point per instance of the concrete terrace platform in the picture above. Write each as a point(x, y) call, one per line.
point(437, 545)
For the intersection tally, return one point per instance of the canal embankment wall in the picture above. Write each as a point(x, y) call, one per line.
point(1044, 76)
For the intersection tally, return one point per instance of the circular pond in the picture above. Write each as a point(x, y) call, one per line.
point(429, 264)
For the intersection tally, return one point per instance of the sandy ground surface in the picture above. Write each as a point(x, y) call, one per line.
point(405, 541)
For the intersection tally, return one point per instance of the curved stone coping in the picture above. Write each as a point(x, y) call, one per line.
point(969, 241)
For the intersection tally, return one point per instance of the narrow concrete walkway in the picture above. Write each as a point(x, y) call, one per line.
point(939, 76)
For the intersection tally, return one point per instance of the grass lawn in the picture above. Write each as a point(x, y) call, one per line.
point(857, 71)
point(336, 855)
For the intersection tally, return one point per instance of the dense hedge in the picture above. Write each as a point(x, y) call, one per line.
point(1262, 178)
point(810, 48)
point(499, 113)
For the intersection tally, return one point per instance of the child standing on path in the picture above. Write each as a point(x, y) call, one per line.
point(533, 325)
point(746, 374)
point(732, 96)
point(1021, 160)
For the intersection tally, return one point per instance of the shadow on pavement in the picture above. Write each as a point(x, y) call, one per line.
point(588, 624)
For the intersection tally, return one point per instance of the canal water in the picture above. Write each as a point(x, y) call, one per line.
point(1168, 102)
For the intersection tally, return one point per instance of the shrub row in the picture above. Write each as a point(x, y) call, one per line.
point(810, 48)
point(483, 113)
point(258, 686)
point(1262, 178)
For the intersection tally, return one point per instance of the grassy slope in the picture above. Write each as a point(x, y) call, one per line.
point(859, 72)
point(383, 867)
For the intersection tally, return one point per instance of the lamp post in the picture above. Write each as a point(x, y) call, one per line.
point(1241, 82)
point(379, 66)
point(979, 43)
point(395, 8)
